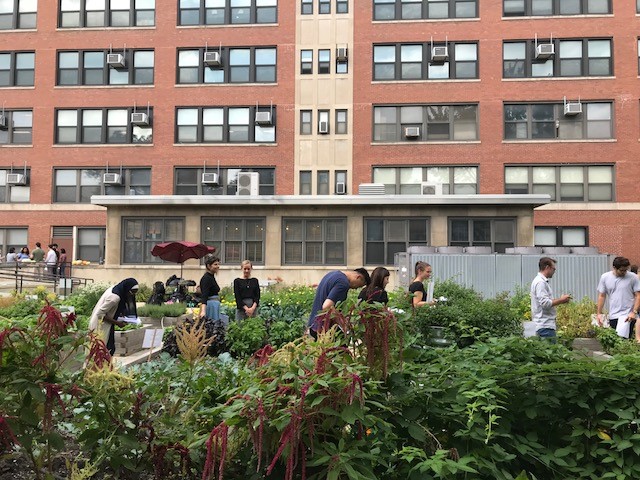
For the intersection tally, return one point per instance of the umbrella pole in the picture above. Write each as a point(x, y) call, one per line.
point(181, 265)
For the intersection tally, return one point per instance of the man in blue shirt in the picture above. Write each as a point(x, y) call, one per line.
point(333, 288)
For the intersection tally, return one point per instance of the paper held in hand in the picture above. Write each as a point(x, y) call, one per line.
point(133, 320)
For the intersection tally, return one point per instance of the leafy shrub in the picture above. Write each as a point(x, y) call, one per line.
point(215, 331)
point(615, 345)
point(85, 298)
point(22, 308)
point(281, 331)
point(164, 310)
point(246, 336)
point(574, 320)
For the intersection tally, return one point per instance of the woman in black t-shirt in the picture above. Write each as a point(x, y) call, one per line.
point(247, 292)
point(375, 291)
point(423, 272)
point(210, 290)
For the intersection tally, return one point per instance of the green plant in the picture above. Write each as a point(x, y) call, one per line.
point(282, 331)
point(164, 310)
point(246, 336)
point(574, 320)
point(85, 298)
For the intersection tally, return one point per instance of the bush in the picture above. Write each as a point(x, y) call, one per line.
point(281, 331)
point(164, 310)
point(246, 336)
point(574, 320)
point(84, 299)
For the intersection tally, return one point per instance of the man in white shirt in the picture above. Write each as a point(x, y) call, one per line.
point(543, 305)
point(623, 289)
point(51, 260)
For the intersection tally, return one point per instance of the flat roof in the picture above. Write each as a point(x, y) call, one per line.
point(320, 200)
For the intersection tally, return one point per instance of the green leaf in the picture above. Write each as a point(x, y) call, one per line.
point(417, 432)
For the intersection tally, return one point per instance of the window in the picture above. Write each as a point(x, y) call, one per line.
point(17, 69)
point(414, 62)
point(222, 125)
point(323, 182)
point(91, 68)
point(188, 181)
point(340, 187)
point(342, 65)
point(305, 182)
point(561, 237)
point(78, 185)
point(18, 14)
point(547, 121)
point(306, 119)
point(424, 9)
point(573, 58)
point(15, 192)
point(342, 6)
point(433, 122)
point(324, 6)
point(107, 13)
point(324, 61)
point(12, 237)
point(19, 127)
point(324, 126)
point(317, 241)
point(101, 126)
point(237, 65)
point(384, 237)
point(227, 12)
point(91, 244)
point(497, 233)
point(140, 234)
point(563, 183)
point(235, 239)
point(533, 8)
point(306, 7)
point(306, 62)
point(341, 122)
point(462, 180)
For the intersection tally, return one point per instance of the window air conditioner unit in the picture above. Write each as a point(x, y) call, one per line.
point(439, 54)
point(4, 122)
point(248, 183)
point(263, 118)
point(342, 53)
point(139, 118)
point(412, 132)
point(210, 179)
point(545, 50)
point(115, 60)
point(323, 127)
point(212, 59)
point(112, 179)
point(341, 188)
point(430, 188)
point(572, 108)
point(16, 179)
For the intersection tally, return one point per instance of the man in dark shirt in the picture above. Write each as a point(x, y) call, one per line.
point(333, 288)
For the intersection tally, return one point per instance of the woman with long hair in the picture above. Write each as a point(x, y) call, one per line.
point(375, 291)
point(210, 290)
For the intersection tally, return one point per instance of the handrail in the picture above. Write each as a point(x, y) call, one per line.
point(42, 273)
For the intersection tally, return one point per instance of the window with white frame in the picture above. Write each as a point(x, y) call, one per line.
point(188, 181)
point(459, 180)
point(227, 12)
point(424, 9)
point(140, 234)
point(236, 239)
point(314, 241)
point(90, 244)
point(78, 185)
point(18, 14)
point(103, 126)
point(16, 187)
point(17, 69)
point(107, 13)
point(384, 237)
point(563, 183)
point(80, 67)
point(438, 123)
point(497, 233)
point(561, 237)
point(19, 128)
point(548, 121)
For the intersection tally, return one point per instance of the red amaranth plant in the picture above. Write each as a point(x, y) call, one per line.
point(51, 324)
point(7, 438)
point(5, 338)
point(216, 449)
point(261, 356)
point(159, 453)
point(98, 356)
point(380, 325)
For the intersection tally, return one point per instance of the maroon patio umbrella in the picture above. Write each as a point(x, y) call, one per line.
point(178, 252)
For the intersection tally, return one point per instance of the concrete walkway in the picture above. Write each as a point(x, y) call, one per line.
point(139, 357)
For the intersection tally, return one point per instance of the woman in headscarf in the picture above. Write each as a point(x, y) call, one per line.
point(116, 301)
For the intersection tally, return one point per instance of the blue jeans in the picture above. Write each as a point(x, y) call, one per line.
point(548, 334)
point(213, 309)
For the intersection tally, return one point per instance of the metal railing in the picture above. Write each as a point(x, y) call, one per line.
point(43, 274)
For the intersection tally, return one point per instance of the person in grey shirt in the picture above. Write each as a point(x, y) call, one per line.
point(623, 289)
point(543, 305)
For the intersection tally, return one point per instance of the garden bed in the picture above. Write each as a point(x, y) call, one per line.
point(130, 341)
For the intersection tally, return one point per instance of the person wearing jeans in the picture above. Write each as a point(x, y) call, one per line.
point(543, 305)
point(210, 290)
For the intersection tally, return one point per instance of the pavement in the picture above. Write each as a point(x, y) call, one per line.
point(142, 356)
